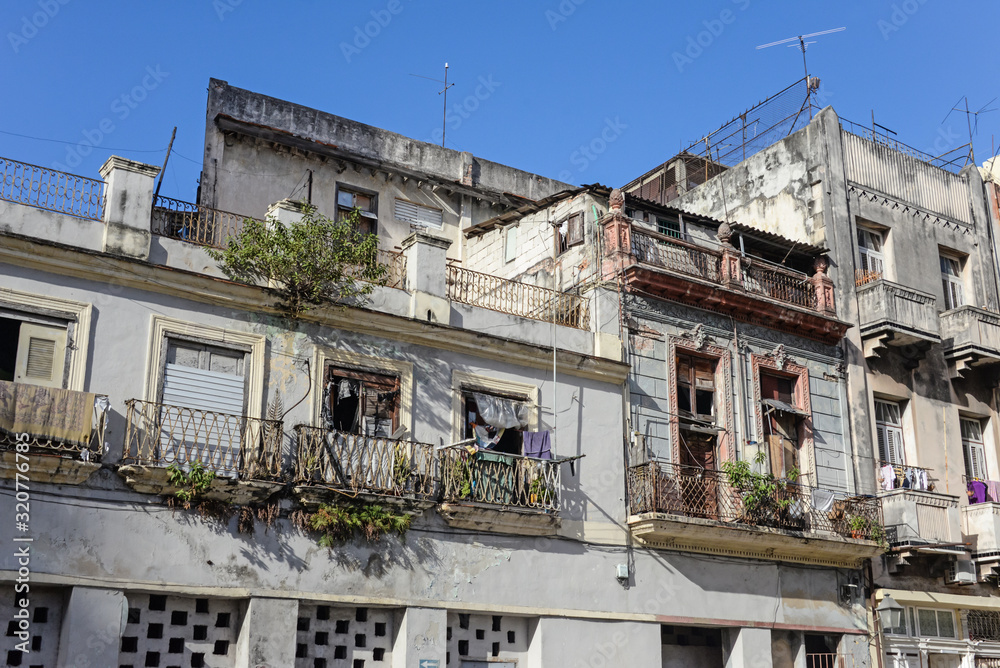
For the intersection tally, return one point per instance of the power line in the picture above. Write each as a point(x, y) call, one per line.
point(80, 143)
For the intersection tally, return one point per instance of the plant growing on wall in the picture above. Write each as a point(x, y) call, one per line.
point(337, 524)
point(764, 498)
point(312, 262)
point(192, 483)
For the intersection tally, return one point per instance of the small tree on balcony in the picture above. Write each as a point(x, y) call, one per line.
point(309, 263)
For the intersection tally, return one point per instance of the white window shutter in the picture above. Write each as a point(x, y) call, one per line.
point(415, 214)
point(41, 355)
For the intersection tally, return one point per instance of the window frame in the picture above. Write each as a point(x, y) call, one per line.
point(725, 417)
point(867, 254)
point(76, 314)
point(564, 228)
point(510, 243)
point(359, 362)
point(779, 366)
point(463, 382)
point(416, 222)
point(952, 284)
point(887, 428)
point(968, 446)
point(352, 373)
point(663, 222)
point(370, 216)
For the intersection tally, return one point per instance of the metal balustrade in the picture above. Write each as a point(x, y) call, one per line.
point(984, 625)
point(825, 660)
point(364, 463)
point(194, 224)
point(230, 445)
point(516, 298)
point(52, 190)
point(661, 487)
point(500, 479)
point(778, 283)
point(395, 265)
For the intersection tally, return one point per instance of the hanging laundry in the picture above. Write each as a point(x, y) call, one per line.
point(977, 491)
point(487, 437)
point(822, 500)
point(537, 444)
point(888, 477)
point(993, 489)
point(347, 388)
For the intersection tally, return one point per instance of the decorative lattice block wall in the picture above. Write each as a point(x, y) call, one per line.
point(343, 637)
point(484, 637)
point(165, 631)
point(45, 610)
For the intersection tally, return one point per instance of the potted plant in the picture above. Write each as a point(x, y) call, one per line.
point(540, 493)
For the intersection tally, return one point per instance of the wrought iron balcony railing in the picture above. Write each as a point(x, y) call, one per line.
point(194, 224)
point(660, 487)
point(516, 298)
point(500, 480)
point(364, 463)
point(52, 190)
point(984, 625)
point(230, 445)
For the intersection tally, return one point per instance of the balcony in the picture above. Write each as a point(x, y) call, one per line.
point(493, 491)
point(825, 660)
point(521, 299)
point(362, 465)
point(48, 189)
point(243, 452)
point(895, 315)
point(920, 518)
point(681, 507)
point(721, 279)
point(984, 625)
point(981, 529)
point(970, 337)
point(63, 431)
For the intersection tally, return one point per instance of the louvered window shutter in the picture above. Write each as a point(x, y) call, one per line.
point(415, 214)
point(41, 355)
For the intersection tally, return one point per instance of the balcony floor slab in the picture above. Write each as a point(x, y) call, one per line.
point(492, 519)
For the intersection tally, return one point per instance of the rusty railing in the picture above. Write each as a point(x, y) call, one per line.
point(49, 189)
point(395, 266)
point(675, 254)
point(661, 487)
point(364, 463)
point(194, 224)
point(231, 445)
point(92, 449)
point(516, 298)
point(984, 625)
point(500, 480)
point(778, 283)
point(865, 276)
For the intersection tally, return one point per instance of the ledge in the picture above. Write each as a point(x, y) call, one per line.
point(153, 480)
point(311, 497)
point(53, 469)
point(510, 521)
point(690, 534)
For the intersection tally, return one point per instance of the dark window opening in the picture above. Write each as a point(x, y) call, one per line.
point(696, 387)
point(359, 402)
point(781, 427)
point(349, 200)
point(9, 334)
point(508, 440)
point(670, 226)
point(570, 232)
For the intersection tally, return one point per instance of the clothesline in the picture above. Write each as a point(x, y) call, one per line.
point(897, 476)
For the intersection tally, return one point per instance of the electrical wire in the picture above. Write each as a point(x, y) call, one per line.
point(79, 143)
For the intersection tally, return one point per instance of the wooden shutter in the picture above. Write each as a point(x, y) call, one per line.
point(574, 230)
point(975, 450)
point(41, 355)
point(510, 244)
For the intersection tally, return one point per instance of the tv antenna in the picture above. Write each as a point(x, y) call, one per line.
point(969, 116)
point(802, 44)
point(444, 113)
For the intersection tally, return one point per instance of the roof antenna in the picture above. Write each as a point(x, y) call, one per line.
point(973, 128)
point(802, 46)
point(444, 112)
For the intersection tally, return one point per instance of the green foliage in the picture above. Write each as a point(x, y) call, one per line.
point(309, 263)
point(862, 526)
point(192, 483)
point(461, 477)
point(337, 524)
point(401, 468)
point(763, 501)
point(541, 492)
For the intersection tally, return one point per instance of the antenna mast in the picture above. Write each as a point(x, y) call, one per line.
point(802, 46)
point(444, 111)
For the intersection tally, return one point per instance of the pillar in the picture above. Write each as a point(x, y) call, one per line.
point(128, 206)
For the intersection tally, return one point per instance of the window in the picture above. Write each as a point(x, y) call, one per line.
point(936, 623)
point(510, 244)
point(497, 422)
point(32, 351)
point(696, 387)
point(975, 451)
point(870, 248)
point(361, 402)
point(349, 200)
point(782, 418)
point(570, 232)
point(419, 215)
point(951, 280)
point(671, 226)
point(889, 432)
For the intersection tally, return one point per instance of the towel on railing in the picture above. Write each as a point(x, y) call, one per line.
point(993, 488)
point(46, 413)
point(977, 492)
point(822, 500)
point(537, 444)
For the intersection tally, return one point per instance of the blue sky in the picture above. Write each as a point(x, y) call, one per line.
point(535, 82)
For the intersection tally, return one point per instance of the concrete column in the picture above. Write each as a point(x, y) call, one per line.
point(823, 285)
point(92, 628)
point(128, 206)
point(286, 211)
point(426, 276)
point(749, 648)
point(267, 637)
point(604, 321)
point(421, 639)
